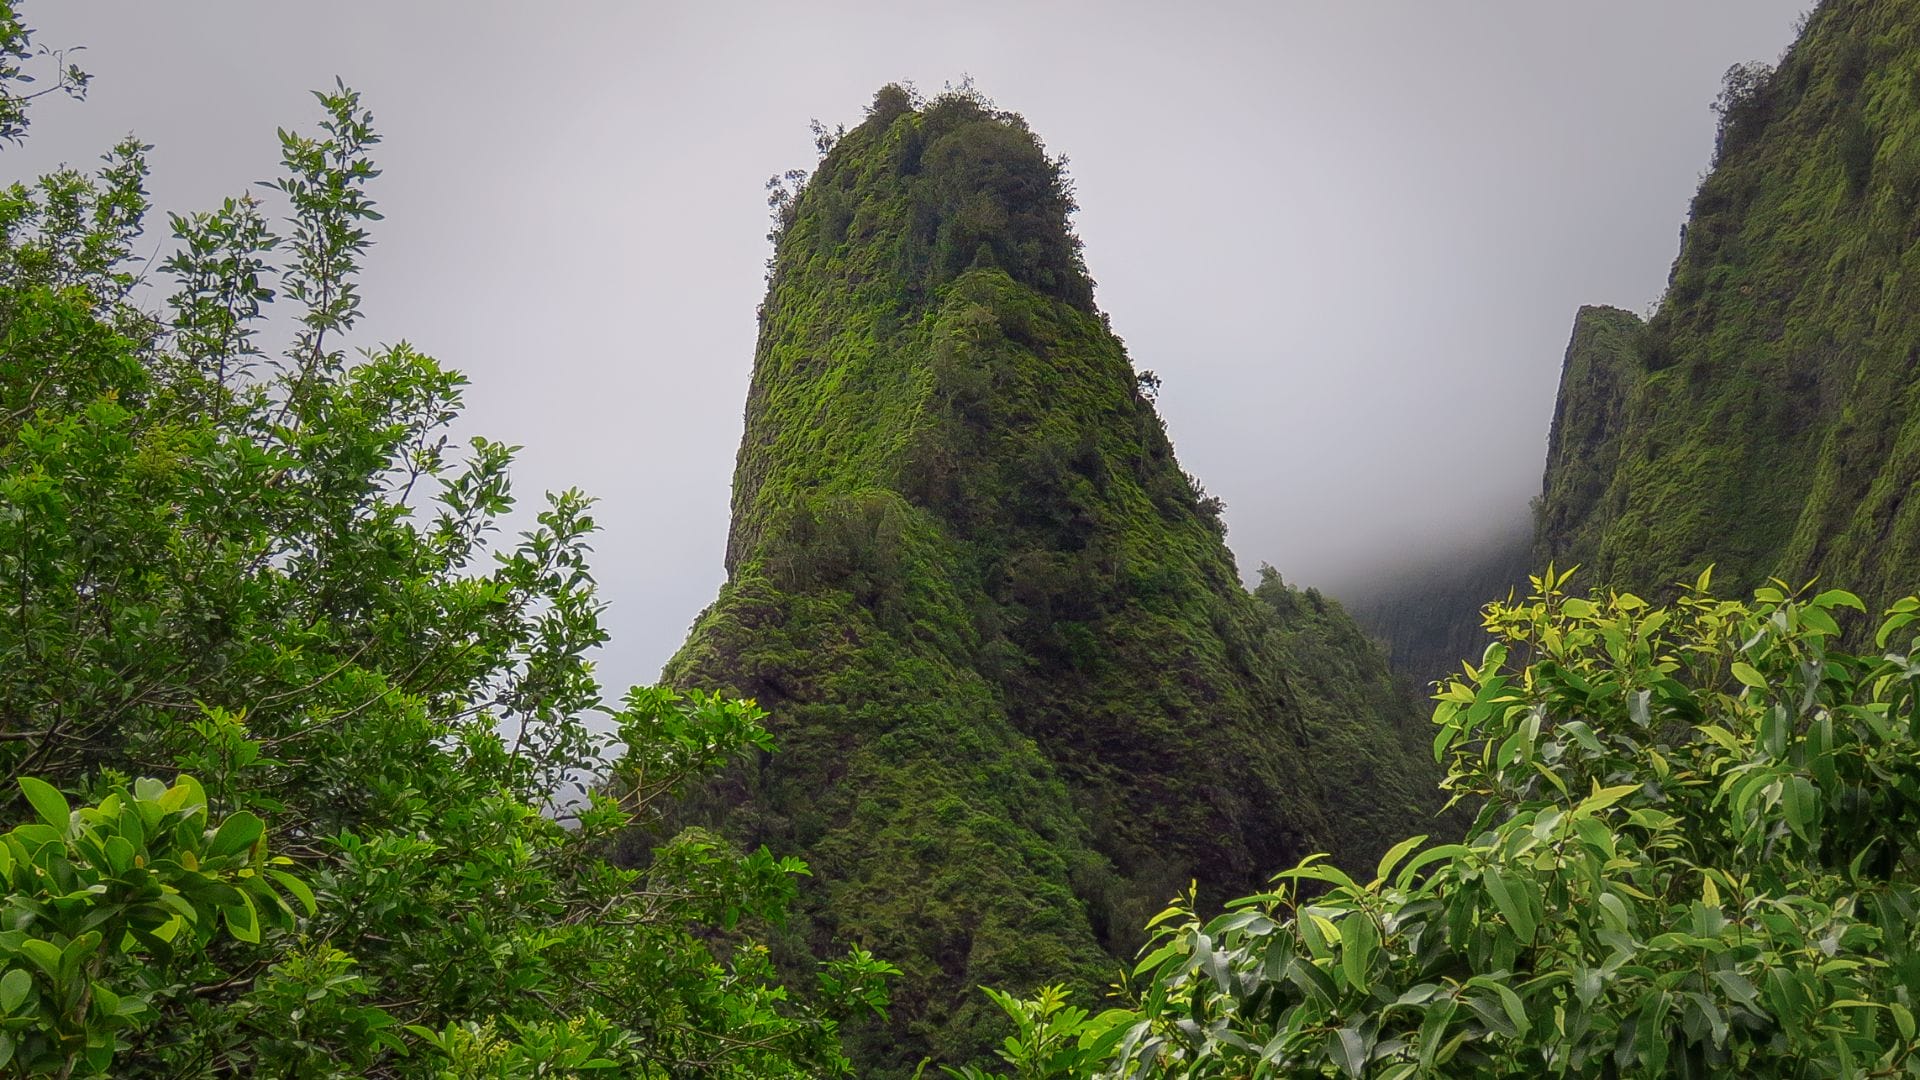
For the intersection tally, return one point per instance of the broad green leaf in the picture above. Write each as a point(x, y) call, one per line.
point(1820, 621)
point(1840, 598)
point(47, 802)
point(1903, 1018)
point(15, 985)
point(1511, 902)
point(300, 891)
point(1349, 1048)
point(236, 834)
point(243, 922)
point(44, 955)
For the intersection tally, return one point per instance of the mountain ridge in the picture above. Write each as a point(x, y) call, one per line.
point(1763, 420)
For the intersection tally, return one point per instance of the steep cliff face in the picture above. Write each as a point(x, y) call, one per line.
point(1020, 695)
point(1602, 363)
point(1764, 420)
point(1427, 614)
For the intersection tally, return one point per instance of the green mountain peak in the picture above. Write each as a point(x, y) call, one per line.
point(1020, 694)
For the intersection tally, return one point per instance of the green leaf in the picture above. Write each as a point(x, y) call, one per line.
point(298, 888)
point(1652, 1032)
point(1903, 1018)
point(1595, 835)
point(1516, 1009)
point(1359, 942)
point(47, 802)
point(15, 985)
point(242, 920)
point(1801, 803)
point(1604, 797)
point(236, 834)
point(1840, 598)
point(1349, 1048)
point(1513, 908)
point(1428, 857)
point(1747, 674)
point(1820, 621)
point(1433, 1030)
point(1396, 853)
point(44, 955)
point(1159, 956)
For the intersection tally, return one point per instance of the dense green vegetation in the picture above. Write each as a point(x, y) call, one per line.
point(1763, 420)
point(1694, 856)
point(307, 775)
point(312, 726)
point(1365, 725)
point(1021, 695)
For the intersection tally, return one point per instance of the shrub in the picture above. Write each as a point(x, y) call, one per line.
point(1694, 854)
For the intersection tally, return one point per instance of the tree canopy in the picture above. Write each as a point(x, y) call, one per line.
point(297, 740)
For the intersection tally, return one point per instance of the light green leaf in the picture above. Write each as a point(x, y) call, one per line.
point(299, 890)
point(44, 955)
point(47, 802)
point(15, 985)
point(1840, 598)
point(1903, 1018)
point(1396, 853)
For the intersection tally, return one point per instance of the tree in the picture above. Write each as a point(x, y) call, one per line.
point(268, 574)
point(1694, 856)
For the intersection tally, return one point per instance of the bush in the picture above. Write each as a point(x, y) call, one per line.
point(1694, 854)
point(1742, 105)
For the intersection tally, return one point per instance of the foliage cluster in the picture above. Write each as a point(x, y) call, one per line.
point(266, 573)
point(1694, 856)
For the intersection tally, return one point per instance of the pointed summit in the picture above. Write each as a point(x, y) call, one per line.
point(1020, 695)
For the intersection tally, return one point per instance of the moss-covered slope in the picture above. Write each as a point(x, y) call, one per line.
point(1370, 734)
point(1764, 419)
point(1020, 695)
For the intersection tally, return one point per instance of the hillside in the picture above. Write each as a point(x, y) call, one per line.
point(1020, 695)
point(1763, 421)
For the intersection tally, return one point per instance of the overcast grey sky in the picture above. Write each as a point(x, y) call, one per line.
point(1350, 236)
